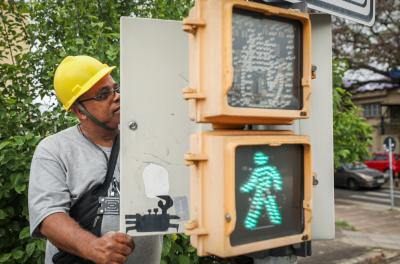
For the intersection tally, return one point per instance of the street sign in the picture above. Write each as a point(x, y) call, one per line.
point(390, 143)
point(361, 11)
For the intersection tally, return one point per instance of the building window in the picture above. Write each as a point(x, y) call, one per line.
point(395, 112)
point(380, 157)
point(371, 110)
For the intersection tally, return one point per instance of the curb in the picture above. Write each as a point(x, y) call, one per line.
point(375, 256)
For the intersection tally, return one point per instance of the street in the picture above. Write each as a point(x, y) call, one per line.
point(372, 197)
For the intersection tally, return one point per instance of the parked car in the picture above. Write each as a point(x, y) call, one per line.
point(357, 175)
point(380, 161)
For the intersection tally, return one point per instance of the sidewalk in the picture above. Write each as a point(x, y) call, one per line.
point(376, 238)
point(396, 184)
point(375, 228)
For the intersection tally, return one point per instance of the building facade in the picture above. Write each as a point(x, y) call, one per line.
point(381, 109)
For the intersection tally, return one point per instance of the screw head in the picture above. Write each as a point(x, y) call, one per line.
point(304, 238)
point(228, 217)
point(133, 125)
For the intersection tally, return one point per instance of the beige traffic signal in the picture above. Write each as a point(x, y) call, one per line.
point(249, 63)
point(250, 191)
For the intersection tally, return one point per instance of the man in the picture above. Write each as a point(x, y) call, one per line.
point(66, 165)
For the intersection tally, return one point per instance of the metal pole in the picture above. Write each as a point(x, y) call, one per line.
point(391, 175)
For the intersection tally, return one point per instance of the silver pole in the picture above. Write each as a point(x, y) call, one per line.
point(391, 175)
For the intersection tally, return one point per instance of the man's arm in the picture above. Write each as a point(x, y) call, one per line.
point(66, 234)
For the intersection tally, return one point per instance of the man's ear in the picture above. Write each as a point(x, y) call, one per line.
point(76, 109)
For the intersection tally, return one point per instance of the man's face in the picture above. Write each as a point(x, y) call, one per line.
point(107, 110)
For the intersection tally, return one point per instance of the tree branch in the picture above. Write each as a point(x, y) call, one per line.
point(354, 86)
point(361, 83)
point(356, 66)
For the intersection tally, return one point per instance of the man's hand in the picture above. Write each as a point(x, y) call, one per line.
point(113, 247)
point(66, 234)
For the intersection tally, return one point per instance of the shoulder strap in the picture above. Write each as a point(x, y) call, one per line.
point(85, 209)
point(110, 167)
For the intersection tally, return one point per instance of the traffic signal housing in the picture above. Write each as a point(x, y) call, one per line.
point(249, 63)
point(250, 191)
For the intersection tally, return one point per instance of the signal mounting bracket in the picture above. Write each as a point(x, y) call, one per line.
point(298, 5)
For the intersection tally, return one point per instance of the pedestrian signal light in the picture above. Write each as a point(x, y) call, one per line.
point(249, 63)
point(251, 191)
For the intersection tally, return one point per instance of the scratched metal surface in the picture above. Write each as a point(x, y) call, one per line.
point(154, 70)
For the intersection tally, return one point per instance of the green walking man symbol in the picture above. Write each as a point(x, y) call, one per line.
point(263, 178)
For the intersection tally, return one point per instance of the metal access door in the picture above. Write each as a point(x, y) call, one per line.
point(155, 127)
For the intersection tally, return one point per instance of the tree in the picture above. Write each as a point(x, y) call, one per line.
point(352, 135)
point(21, 131)
point(373, 49)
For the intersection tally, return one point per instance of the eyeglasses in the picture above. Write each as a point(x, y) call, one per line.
point(103, 94)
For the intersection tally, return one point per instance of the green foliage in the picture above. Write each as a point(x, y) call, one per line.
point(177, 250)
point(352, 135)
point(341, 224)
point(22, 126)
point(161, 9)
point(15, 244)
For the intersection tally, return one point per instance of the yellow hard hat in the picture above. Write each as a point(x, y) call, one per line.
point(76, 75)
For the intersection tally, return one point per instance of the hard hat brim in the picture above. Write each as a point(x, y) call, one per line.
point(88, 85)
